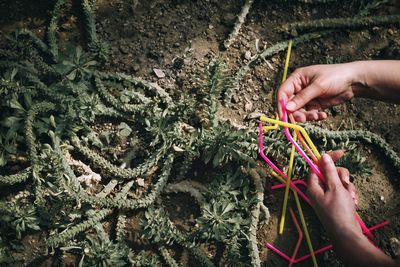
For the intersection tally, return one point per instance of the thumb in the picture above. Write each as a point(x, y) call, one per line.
point(303, 97)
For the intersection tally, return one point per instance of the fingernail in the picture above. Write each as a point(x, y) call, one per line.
point(291, 105)
point(353, 195)
point(346, 180)
point(326, 158)
point(356, 202)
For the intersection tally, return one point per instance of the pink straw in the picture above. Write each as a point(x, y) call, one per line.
point(300, 182)
point(277, 251)
point(276, 169)
point(318, 251)
point(298, 148)
point(300, 237)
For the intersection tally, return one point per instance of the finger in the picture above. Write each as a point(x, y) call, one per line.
point(300, 116)
point(322, 116)
point(314, 188)
point(311, 115)
point(329, 172)
point(303, 97)
point(336, 155)
point(287, 89)
point(344, 176)
point(353, 192)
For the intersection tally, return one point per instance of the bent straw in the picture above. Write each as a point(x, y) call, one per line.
point(286, 194)
point(313, 166)
point(278, 186)
point(273, 127)
point(293, 187)
point(300, 237)
point(277, 173)
point(303, 142)
point(318, 251)
point(293, 126)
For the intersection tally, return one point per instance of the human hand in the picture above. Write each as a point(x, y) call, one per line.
point(310, 89)
point(333, 201)
point(344, 175)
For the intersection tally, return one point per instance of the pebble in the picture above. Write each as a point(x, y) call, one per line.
point(247, 55)
point(395, 245)
point(140, 182)
point(124, 49)
point(159, 73)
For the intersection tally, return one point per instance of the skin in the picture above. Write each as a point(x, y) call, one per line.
point(307, 92)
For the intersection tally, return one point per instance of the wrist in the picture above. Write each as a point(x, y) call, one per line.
point(359, 81)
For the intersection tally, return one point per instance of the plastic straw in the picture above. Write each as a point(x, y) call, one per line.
point(305, 230)
point(303, 142)
point(277, 251)
point(285, 69)
point(293, 187)
point(313, 166)
point(295, 127)
point(286, 194)
point(277, 173)
point(299, 239)
point(278, 186)
point(273, 127)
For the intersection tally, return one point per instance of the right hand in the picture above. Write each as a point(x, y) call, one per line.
point(310, 89)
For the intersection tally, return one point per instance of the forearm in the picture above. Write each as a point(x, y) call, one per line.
point(358, 252)
point(378, 79)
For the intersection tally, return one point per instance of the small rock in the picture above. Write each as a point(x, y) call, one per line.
point(136, 67)
point(248, 106)
point(395, 245)
point(124, 49)
point(294, 33)
point(254, 115)
point(256, 97)
point(159, 73)
point(247, 55)
point(382, 198)
point(140, 182)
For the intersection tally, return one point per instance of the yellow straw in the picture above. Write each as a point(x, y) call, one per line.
point(285, 70)
point(289, 174)
point(288, 180)
point(273, 127)
point(305, 230)
point(295, 127)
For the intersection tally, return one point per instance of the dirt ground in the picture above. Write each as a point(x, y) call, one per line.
point(180, 37)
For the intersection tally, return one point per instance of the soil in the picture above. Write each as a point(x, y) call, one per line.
point(181, 37)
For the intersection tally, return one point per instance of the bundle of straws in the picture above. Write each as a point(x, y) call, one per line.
point(311, 156)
